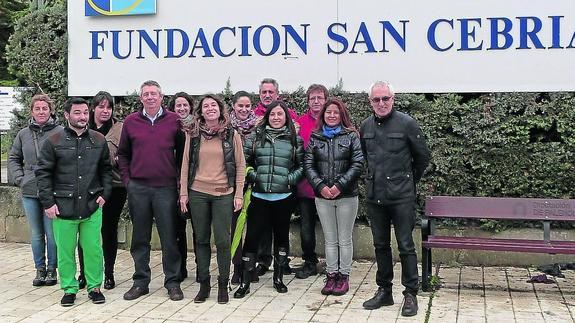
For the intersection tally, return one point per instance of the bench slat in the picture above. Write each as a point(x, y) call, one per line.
point(500, 208)
point(536, 246)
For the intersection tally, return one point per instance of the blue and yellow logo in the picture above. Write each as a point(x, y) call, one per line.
point(120, 7)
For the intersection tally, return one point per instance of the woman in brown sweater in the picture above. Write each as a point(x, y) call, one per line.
point(212, 179)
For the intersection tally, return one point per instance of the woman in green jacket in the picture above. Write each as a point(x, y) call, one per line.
point(275, 153)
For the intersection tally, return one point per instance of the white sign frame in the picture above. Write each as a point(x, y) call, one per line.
point(440, 46)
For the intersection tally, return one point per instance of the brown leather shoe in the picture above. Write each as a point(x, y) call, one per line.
point(135, 292)
point(175, 293)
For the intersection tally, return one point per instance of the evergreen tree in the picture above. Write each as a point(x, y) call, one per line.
point(10, 10)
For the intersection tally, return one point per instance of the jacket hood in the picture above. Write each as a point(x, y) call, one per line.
point(49, 125)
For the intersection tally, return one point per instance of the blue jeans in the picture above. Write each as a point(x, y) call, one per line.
point(41, 233)
point(337, 218)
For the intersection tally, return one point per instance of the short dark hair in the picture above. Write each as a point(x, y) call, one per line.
point(315, 88)
point(101, 96)
point(74, 101)
point(96, 100)
point(240, 94)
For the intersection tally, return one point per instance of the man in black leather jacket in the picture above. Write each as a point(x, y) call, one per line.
point(397, 156)
point(74, 180)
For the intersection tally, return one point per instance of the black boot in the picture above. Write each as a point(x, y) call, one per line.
point(249, 262)
point(237, 275)
point(279, 263)
point(223, 297)
point(409, 307)
point(382, 297)
point(204, 292)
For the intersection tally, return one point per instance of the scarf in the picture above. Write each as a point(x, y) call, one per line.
point(330, 132)
point(208, 133)
point(246, 126)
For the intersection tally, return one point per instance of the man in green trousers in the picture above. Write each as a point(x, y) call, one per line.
point(74, 181)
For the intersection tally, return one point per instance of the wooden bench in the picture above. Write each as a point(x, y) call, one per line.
point(515, 209)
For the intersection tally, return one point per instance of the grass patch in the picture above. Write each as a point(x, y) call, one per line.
point(434, 284)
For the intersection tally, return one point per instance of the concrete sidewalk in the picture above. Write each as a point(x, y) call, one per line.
point(468, 294)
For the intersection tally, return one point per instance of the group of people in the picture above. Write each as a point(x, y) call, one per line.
point(218, 167)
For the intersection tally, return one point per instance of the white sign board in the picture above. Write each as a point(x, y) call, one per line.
point(418, 45)
point(7, 104)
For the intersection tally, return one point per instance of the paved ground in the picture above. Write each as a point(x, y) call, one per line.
point(468, 294)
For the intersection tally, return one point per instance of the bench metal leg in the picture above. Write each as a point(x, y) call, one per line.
point(426, 266)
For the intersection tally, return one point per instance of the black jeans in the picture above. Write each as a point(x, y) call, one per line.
point(402, 216)
point(209, 211)
point(264, 251)
point(182, 239)
point(268, 216)
point(148, 204)
point(111, 213)
point(309, 218)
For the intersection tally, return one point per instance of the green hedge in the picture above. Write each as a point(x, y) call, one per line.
point(501, 145)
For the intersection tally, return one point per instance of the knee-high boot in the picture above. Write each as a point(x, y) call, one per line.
point(249, 264)
point(279, 262)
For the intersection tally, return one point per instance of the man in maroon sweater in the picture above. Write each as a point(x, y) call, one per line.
point(148, 159)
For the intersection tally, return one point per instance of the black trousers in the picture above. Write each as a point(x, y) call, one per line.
point(264, 252)
point(402, 216)
point(309, 218)
point(111, 213)
point(148, 205)
point(268, 216)
point(182, 240)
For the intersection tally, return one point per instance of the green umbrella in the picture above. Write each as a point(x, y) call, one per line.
point(239, 229)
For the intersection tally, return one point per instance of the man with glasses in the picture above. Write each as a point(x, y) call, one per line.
point(316, 96)
point(397, 156)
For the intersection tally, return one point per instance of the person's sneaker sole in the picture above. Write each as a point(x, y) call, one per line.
point(378, 305)
point(68, 302)
point(99, 301)
point(408, 314)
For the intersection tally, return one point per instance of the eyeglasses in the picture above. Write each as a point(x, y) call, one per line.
point(316, 98)
point(376, 100)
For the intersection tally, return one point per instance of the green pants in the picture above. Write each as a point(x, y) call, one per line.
point(88, 232)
